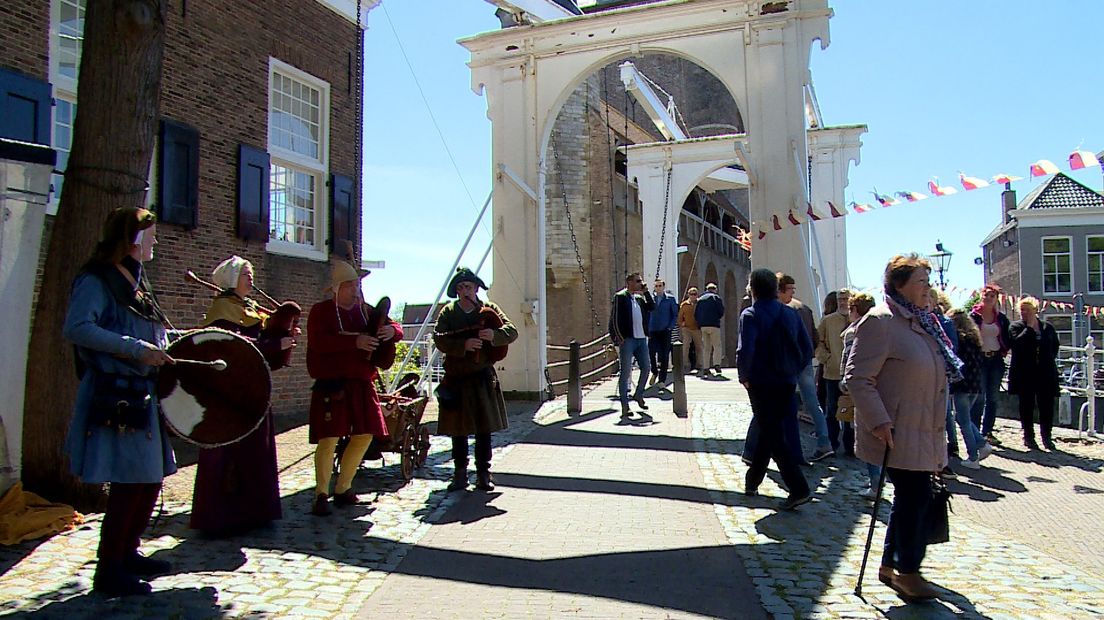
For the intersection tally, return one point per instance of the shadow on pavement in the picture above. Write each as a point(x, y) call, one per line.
point(1053, 459)
point(186, 602)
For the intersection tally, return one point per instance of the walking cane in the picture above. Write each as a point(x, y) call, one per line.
point(873, 520)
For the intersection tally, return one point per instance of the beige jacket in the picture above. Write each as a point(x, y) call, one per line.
point(895, 373)
point(829, 349)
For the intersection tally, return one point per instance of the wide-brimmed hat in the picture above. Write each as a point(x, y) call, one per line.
point(463, 274)
point(226, 274)
point(343, 271)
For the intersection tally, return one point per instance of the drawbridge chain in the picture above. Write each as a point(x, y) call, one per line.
point(663, 231)
point(574, 239)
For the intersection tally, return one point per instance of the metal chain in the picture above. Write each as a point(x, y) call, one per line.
point(663, 233)
point(358, 131)
point(571, 229)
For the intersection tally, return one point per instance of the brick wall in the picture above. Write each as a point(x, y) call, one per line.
point(215, 78)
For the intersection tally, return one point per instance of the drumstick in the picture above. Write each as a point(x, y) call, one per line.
point(216, 364)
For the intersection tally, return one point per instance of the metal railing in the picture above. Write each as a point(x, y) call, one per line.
point(1077, 366)
point(575, 379)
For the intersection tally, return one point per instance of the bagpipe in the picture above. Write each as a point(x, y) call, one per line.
point(281, 320)
point(383, 357)
point(487, 318)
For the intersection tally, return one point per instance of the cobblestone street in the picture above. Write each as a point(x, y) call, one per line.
point(598, 519)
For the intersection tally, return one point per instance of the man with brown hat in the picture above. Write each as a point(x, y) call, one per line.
point(472, 335)
point(344, 402)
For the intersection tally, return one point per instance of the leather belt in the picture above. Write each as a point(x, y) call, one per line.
point(991, 353)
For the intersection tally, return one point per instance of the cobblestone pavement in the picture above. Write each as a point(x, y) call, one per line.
point(1025, 536)
point(805, 565)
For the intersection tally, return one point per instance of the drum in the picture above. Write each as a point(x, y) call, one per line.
point(211, 407)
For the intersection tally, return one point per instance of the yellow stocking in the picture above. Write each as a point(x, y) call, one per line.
point(350, 460)
point(323, 464)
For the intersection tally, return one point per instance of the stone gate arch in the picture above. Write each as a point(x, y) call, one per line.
point(759, 50)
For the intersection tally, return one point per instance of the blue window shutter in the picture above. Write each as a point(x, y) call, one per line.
point(253, 193)
point(178, 175)
point(24, 108)
point(342, 213)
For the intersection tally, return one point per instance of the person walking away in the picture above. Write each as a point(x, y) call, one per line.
point(806, 381)
point(344, 402)
point(829, 353)
point(470, 396)
point(897, 373)
point(691, 333)
point(772, 351)
point(995, 344)
point(660, 324)
point(708, 314)
point(1033, 373)
point(965, 392)
point(116, 435)
point(857, 307)
point(628, 318)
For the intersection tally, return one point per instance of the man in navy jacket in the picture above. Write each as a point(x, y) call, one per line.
point(628, 324)
point(708, 314)
point(660, 324)
point(771, 393)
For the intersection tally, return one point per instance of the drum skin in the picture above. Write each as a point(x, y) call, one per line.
point(210, 407)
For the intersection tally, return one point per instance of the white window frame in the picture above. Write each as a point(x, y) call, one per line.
point(1042, 262)
point(318, 168)
point(65, 88)
point(1088, 268)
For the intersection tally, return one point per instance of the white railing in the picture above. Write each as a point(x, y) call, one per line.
point(1078, 378)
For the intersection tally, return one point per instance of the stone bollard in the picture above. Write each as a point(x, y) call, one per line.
point(678, 402)
point(574, 384)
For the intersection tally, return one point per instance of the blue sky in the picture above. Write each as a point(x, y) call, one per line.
point(983, 87)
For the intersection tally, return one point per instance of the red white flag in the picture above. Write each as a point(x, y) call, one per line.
point(885, 200)
point(777, 224)
point(813, 215)
point(1082, 159)
point(1043, 168)
point(912, 196)
point(936, 189)
point(793, 218)
point(835, 212)
point(762, 235)
point(1005, 179)
point(858, 208)
point(969, 183)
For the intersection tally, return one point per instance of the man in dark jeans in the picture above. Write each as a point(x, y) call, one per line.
point(771, 393)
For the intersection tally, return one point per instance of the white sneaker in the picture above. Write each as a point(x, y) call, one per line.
point(984, 451)
point(969, 464)
point(868, 493)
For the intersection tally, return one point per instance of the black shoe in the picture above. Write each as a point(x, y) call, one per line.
point(459, 480)
point(112, 580)
point(640, 401)
point(948, 472)
point(321, 506)
point(347, 498)
point(1029, 443)
point(793, 502)
point(146, 568)
point(484, 481)
point(1049, 444)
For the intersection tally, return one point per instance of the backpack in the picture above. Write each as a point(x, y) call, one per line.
point(784, 357)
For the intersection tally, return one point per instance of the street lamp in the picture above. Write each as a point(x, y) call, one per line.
point(942, 261)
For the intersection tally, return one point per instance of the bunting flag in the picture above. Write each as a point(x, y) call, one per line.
point(938, 190)
point(1082, 159)
point(762, 235)
point(885, 201)
point(777, 224)
point(858, 208)
point(793, 219)
point(813, 215)
point(1043, 167)
point(912, 196)
point(1005, 179)
point(969, 183)
point(835, 212)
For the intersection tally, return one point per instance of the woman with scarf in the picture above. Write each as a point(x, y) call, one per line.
point(897, 372)
point(237, 486)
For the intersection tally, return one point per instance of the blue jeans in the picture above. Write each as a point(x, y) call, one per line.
point(992, 371)
point(806, 388)
point(633, 348)
point(659, 346)
point(964, 404)
point(791, 437)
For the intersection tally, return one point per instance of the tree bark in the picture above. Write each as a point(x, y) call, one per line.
point(119, 90)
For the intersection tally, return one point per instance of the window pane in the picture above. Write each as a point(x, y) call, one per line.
point(1096, 244)
point(1055, 245)
point(70, 36)
point(293, 204)
point(295, 125)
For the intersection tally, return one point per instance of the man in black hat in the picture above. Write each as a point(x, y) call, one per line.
point(472, 335)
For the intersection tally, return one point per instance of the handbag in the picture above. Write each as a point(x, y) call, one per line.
point(938, 517)
point(845, 408)
point(121, 402)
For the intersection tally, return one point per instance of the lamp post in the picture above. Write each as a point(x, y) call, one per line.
point(942, 260)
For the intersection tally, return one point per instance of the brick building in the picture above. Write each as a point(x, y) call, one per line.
point(256, 153)
point(587, 191)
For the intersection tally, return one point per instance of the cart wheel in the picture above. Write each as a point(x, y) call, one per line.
point(423, 445)
point(408, 450)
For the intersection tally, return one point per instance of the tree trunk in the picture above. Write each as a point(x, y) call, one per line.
point(119, 90)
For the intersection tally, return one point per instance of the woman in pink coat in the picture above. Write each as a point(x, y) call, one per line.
point(897, 372)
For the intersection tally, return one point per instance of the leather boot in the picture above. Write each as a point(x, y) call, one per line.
point(913, 588)
point(112, 580)
point(886, 575)
point(484, 480)
point(146, 568)
point(459, 479)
